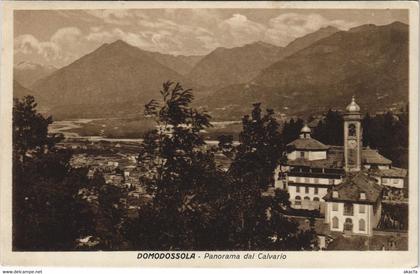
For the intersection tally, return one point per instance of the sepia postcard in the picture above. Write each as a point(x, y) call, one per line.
point(209, 134)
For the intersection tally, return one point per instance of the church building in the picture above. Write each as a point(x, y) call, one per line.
point(345, 183)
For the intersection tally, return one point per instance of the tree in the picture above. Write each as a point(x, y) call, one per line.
point(291, 130)
point(259, 221)
point(30, 130)
point(180, 173)
point(260, 147)
point(389, 134)
point(330, 130)
point(48, 213)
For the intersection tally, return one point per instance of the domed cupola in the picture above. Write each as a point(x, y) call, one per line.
point(353, 106)
point(305, 132)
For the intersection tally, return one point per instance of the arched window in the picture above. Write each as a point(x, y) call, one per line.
point(298, 200)
point(307, 198)
point(348, 224)
point(362, 225)
point(316, 199)
point(352, 130)
point(335, 222)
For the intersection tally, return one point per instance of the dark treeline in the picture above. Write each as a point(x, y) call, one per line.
point(386, 132)
point(53, 203)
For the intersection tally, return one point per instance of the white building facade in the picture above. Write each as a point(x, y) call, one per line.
point(314, 170)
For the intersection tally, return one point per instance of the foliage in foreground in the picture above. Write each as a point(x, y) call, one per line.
point(197, 206)
point(51, 200)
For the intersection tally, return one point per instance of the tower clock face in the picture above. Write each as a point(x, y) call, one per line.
point(352, 144)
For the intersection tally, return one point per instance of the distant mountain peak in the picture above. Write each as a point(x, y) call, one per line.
point(398, 25)
point(329, 28)
point(119, 42)
point(261, 45)
point(308, 39)
point(28, 65)
point(365, 27)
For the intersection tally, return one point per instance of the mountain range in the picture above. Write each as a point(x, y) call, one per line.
point(226, 66)
point(322, 69)
point(370, 62)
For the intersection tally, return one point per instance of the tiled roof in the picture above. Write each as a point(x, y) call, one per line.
point(353, 185)
point(372, 156)
point(330, 162)
point(334, 160)
point(393, 172)
point(307, 144)
point(335, 154)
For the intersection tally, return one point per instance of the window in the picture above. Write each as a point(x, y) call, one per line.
point(348, 209)
point(316, 190)
point(298, 189)
point(352, 130)
point(335, 206)
point(307, 198)
point(306, 189)
point(362, 209)
point(316, 199)
point(335, 222)
point(302, 154)
point(362, 196)
point(298, 200)
point(348, 225)
point(362, 225)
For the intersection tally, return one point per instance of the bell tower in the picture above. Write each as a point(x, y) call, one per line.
point(352, 137)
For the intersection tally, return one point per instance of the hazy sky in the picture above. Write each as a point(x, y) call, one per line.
point(59, 37)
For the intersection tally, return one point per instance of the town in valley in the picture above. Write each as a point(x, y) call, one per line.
point(138, 130)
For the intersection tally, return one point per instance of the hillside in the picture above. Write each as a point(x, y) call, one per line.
point(28, 73)
point(180, 63)
point(238, 65)
point(369, 61)
point(307, 40)
point(225, 66)
point(116, 78)
point(20, 91)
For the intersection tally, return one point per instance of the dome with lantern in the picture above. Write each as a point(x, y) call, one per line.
point(305, 129)
point(353, 106)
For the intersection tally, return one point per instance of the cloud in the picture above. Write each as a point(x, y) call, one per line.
point(159, 35)
point(66, 35)
point(58, 47)
point(28, 44)
point(135, 39)
point(174, 31)
point(239, 30)
point(120, 17)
